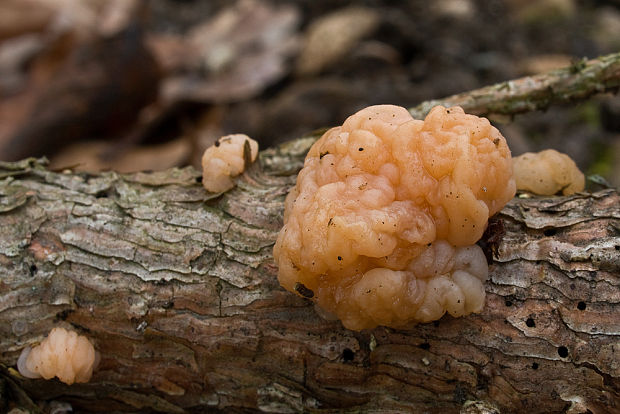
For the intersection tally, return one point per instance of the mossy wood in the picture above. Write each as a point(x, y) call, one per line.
point(178, 290)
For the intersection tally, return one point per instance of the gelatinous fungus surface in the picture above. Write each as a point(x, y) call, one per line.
point(382, 223)
point(63, 354)
point(224, 160)
point(547, 172)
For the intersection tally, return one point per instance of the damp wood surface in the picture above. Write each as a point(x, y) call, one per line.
point(178, 290)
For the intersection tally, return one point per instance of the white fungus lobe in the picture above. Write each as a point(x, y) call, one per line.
point(382, 223)
point(224, 161)
point(63, 354)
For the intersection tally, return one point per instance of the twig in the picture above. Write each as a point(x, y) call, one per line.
point(578, 81)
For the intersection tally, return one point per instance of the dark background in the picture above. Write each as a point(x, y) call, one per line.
point(104, 86)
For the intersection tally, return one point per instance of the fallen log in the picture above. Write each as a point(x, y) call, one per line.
point(177, 289)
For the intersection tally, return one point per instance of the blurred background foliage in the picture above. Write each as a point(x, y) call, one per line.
point(145, 85)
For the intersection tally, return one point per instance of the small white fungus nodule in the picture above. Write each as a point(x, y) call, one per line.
point(224, 160)
point(63, 354)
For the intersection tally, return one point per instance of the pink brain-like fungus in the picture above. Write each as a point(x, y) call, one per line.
point(382, 224)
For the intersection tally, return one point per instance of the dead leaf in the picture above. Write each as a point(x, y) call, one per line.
point(170, 50)
point(544, 63)
point(91, 157)
point(22, 16)
point(76, 16)
point(533, 11)
point(330, 37)
point(97, 90)
point(237, 54)
point(14, 55)
point(116, 15)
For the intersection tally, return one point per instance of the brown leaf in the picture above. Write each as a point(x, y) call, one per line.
point(22, 16)
point(98, 89)
point(237, 54)
point(544, 63)
point(332, 36)
point(170, 50)
point(90, 156)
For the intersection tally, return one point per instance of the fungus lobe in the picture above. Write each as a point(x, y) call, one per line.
point(547, 173)
point(385, 235)
point(224, 160)
point(63, 354)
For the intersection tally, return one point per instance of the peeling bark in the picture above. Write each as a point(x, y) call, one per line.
point(177, 288)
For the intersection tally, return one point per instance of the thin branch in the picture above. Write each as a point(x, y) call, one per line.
point(576, 82)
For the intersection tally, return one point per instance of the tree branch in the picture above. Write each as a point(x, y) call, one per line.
point(576, 82)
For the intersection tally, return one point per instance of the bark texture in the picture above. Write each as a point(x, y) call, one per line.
point(177, 288)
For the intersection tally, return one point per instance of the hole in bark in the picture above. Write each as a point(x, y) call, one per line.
point(199, 179)
point(62, 315)
point(581, 306)
point(348, 355)
point(563, 351)
point(535, 365)
point(508, 303)
point(425, 345)
point(617, 247)
point(33, 269)
point(530, 322)
point(550, 232)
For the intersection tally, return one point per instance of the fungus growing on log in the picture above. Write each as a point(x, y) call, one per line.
point(547, 172)
point(382, 224)
point(63, 354)
point(224, 160)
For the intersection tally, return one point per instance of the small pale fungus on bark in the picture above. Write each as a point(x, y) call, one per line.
point(547, 172)
point(63, 354)
point(224, 160)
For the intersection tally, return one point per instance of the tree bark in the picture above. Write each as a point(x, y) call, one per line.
point(177, 288)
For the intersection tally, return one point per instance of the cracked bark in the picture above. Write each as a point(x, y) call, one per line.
point(177, 288)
